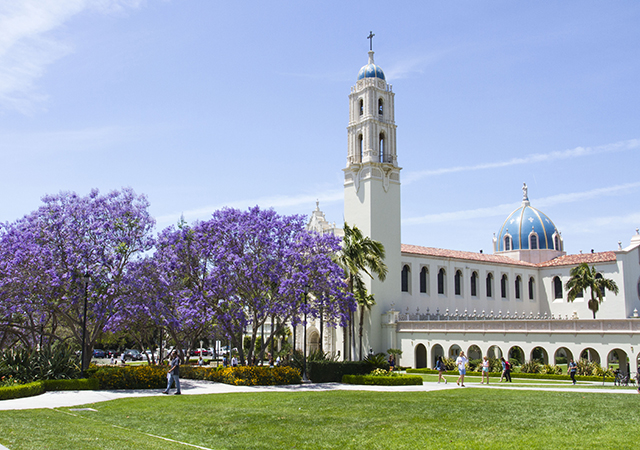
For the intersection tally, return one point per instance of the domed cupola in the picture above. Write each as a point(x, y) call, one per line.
point(528, 235)
point(371, 70)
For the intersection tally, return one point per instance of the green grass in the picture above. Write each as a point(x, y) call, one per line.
point(457, 418)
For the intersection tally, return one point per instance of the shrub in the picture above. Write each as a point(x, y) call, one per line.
point(332, 371)
point(83, 384)
point(530, 367)
point(245, 375)
point(50, 363)
point(22, 390)
point(550, 370)
point(377, 361)
point(449, 363)
point(130, 377)
point(398, 380)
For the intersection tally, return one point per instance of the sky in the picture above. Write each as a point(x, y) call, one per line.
point(202, 104)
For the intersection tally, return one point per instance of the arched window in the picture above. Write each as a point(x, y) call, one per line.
point(424, 276)
point(489, 285)
point(382, 149)
point(507, 243)
point(533, 241)
point(556, 242)
point(503, 286)
point(361, 107)
point(532, 285)
point(458, 282)
point(361, 147)
point(557, 287)
point(602, 291)
point(518, 287)
point(380, 109)
point(474, 284)
point(405, 278)
point(441, 281)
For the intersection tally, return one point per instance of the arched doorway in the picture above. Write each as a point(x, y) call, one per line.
point(494, 352)
point(421, 356)
point(617, 359)
point(562, 356)
point(474, 352)
point(517, 354)
point(590, 355)
point(313, 341)
point(436, 350)
point(454, 351)
point(540, 355)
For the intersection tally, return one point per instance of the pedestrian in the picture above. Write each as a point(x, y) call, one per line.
point(234, 361)
point(441, 367)
point(573, 368)
point(504, 368)
point(200, 361)
point(122, 358)
point(174, 373)
point(507, 370)
point(461, 362)
point(392, 362)
point(485, 369)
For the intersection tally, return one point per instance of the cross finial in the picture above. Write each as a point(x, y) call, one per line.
point(370, 37)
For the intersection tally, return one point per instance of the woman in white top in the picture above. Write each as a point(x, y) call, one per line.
point(485, 369)
point(461, 362)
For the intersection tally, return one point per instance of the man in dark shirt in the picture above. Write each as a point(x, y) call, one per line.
point(174, 373)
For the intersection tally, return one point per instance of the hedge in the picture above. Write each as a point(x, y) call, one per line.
point(22, 390)
point(82, 384)
point(536, 376)
point(333, 371)
point(406, 380)
point(244, 375)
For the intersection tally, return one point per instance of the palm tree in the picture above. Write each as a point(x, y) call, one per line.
point(584, 277)
point(365, 302)
point(360, 254)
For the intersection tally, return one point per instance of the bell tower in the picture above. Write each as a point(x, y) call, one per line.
point(372, 186)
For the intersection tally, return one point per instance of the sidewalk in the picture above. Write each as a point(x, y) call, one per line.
point(59, 399)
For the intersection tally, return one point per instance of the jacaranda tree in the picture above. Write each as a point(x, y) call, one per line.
point(247, 267)
point(46, 256)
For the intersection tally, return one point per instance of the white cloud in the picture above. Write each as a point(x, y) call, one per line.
point(529, 159)
point(504, 209)
point(281, 201)
point(28, 45)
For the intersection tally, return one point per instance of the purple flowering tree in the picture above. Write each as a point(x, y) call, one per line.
point(246, 267)
point(45, 256)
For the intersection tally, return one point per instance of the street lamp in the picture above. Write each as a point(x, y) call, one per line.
point(86, 277)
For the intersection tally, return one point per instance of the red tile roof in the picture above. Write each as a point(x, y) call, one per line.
point(568, 260)
point(574, 260)
point(470, 256)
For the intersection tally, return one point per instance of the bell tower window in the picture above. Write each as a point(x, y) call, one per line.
point(361, 146)
point(361, 108)
point(533, 239)
point(382, 158)
point(380, 108)
point(507, 243)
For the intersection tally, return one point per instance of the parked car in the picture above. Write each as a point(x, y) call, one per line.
point(113, 353)
point(98, 353)
point(132, 355)
point(201, 352)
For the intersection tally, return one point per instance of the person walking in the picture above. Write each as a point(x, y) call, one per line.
point(461, 362)
point(573, 368)
point(441, 367)
point(507, 370)
point(504, 368)
point(174, 373)
point(485, 369)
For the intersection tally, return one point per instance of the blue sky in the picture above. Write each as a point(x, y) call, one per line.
point(201, 104)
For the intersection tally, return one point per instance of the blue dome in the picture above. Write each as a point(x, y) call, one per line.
point(521, 224)
point(371, 71)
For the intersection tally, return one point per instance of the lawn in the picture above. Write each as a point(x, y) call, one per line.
point(457, 418)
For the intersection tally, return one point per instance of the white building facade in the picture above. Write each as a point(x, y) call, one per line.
point(435, 302)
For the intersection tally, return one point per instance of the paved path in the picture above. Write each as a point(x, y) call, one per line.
point(59, 399)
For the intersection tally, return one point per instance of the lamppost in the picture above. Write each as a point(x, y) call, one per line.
point(86, 277)
point(304, 352)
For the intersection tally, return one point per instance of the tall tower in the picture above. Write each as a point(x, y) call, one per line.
point(372, 187)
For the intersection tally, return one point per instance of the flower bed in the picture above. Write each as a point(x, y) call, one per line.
point(389, 380)
point(244, 375)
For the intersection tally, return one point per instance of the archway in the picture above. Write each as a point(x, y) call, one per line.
point(590, 355)
point(617, 359)
point(436, 350)
point(313, 341)
point(494, 352)
point(562, 356)
point(421, 356)
point(474, 352)
point(516, 353)
point(454, 351)
point(539, 354)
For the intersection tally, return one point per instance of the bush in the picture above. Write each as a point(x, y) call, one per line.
point(551, 370)
point(130, 377)
point(398, 380)
point(22, 390)
point(332, 371)
point(530, 367)
point(245, 375)
point(83, 384)
point(377, 361)
point(50, 363)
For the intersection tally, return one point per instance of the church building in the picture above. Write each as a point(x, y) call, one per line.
point(436, 302)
